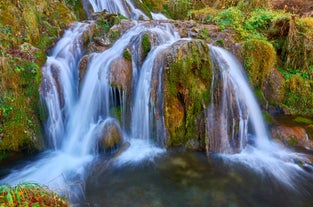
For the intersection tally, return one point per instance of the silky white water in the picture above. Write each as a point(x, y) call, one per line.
point(77, 113)
point(83, 118)
point(123, 7)
point(263, 156)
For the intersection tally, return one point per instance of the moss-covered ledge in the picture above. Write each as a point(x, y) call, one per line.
point(27, 30)
point(186, 92)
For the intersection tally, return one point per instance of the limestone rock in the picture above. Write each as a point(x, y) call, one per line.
point(120, 73)
point(292, 136)
point(111, 136)
point(186, 91)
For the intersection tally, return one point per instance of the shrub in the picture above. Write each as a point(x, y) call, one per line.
point(29, 194)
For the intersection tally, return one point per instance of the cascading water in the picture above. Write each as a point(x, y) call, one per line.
point(263, 156)
point(227, 114)
point(59, 87)
point(123, 7)
point(78, 114)
point(85, 116)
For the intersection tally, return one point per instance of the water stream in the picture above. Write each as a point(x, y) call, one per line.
point(79, 110)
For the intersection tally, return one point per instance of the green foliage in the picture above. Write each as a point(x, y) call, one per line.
point(248, 5)
point(27, 29)
point(297, 50)
point(145, 44)
point(29, 194)
point(303, 120)
point(268, 117)
point(293, 141)
point(177, 9)
point(114, 35)
point(289, 72)
point(127, 55)
point(230, 18)
point(260, 20)
point(299, 96)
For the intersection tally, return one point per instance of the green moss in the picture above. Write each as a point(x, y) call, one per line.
point(36, 25)
point(145, 44)
point(177, 9)
point(144, 6)
point(259, 58)
point(127, 55)
point(3, 155)
point(303, 120)
point(299, 96)
point(268, 117)
point(293, 141)
point(187, 92)
point(117, 112)
point(114, 35)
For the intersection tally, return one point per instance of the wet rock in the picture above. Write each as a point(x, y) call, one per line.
point(291, 136)
point(82, 67)
point(111, 136)
point(274, 87)
point(120, 73)
point(123, 148)
point(186, 90)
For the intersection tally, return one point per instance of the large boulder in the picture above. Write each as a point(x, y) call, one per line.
point(111, 136)
point(292, 136)
point(186, 91)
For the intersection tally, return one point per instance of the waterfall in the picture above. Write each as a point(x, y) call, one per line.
point(227, 122)
point(234, 79)
point(59, 87)
point(79, 111)
point(123, 7)
point(87, 111)
point(263, 156)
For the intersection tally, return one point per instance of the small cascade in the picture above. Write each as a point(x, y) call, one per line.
point(81, 112)
point(233, 79)
point(262, 155)
point(59, 87)
point(123, 7)
point(227, 119)
point(141, 124)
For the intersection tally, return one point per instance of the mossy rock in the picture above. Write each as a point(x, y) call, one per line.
point(36, 24)
point(259, 58)
point(187, 81)
point(299, 96)
point(145, 45)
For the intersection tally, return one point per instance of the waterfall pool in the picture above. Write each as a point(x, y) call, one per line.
point(181, 178)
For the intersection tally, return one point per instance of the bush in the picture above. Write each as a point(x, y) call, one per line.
point(29, 194)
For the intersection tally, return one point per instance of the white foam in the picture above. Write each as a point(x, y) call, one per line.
point(138, 151)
